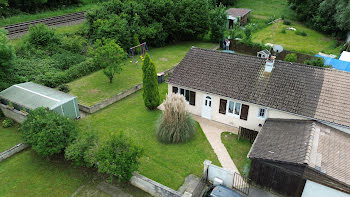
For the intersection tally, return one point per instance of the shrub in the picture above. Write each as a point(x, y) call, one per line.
point(41, 35)
point(175, 125)
point(118, 156)
point(300, 33)
point(286, 22)
point(7, 123)
point(315, 62)
point(75, 44)
point(1, 114)
point(291, 57)
point(48, 132)
point(283, 31)
point(82, 150)
point(150, 84)
point(66, 59)
point(64, 88)
point(81, 69)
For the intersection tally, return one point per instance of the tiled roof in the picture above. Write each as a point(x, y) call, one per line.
point(235, 12)
point(305, 142)
point(309, 91)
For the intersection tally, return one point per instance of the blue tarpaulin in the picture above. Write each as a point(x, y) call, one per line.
point(335, 63)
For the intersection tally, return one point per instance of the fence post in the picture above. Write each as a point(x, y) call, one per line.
point(206, 163)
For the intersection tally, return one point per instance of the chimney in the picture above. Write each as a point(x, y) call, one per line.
point(269, 63)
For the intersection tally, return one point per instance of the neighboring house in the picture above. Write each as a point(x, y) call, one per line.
point(240, 15)
point(243, 91)
point(263, 54)
point(301, 158)
point(29, 96)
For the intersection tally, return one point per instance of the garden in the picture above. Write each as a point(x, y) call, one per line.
point(9, 133)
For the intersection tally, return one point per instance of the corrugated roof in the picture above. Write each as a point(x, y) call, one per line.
point(31, 95)
point(309, 91)
point(305, 142)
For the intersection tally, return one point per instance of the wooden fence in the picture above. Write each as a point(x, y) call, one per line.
point(247, 134)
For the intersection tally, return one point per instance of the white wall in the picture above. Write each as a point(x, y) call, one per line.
point(313, 189)
point(253, 120)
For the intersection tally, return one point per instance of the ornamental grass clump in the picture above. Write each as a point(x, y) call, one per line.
point(176, 124)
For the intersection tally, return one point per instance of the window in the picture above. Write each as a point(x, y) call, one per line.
point(261, 112)
point(234, 108)
point(222, 107)
point(190, 96)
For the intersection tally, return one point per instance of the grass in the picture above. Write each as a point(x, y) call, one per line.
point(46, 13)
point(267, 8)
point(311, 44)
point(238, 150)
point(9, 137)
point(95, 87)
point(168, 164)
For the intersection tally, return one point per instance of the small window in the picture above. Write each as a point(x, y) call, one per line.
point(230, 107)
point(182, 91)
point(261, 112)
point(238, 109)
point(187, 95)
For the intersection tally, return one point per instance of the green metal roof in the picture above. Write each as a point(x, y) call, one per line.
point(31, 95)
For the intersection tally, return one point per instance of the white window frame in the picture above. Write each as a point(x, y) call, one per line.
point(234, 107)
point(259, 112)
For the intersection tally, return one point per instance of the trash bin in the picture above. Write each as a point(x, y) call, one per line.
point(160, 77)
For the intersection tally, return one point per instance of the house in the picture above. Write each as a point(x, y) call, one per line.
point(301, 158)
point(240, 15)
point(263, 54)
point(345, 56)
point(244, 91)
point(29, 96)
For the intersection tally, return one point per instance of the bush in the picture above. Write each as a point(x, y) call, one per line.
point(82, 150)
point(175, 125)
point(291, 57)
point(80, 70)
point(7, 123)
point(319, 62)
point(48, 132)
point(150, 84)
point(286, 22)
point(75, 44)
point(41, 35)
point(283, 31)
point(66, 59)
point(119, 157)
point(1, 114)
point(300, 33)
point(64, 88)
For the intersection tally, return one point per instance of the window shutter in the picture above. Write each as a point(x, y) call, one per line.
point(175, 90)
point(192, 98)
point(182, 91)
point(244, 112)
point(222, 107)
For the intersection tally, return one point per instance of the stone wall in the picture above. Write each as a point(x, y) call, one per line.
point(8, 153)
point(152, 187)
point(14, 114)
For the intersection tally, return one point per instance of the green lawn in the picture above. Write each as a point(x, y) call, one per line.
point(313, 43)
point(238, 150)
point(267, 8)
point(9, 137)
point(94, 88)
point(167, 164)
point(48, 13)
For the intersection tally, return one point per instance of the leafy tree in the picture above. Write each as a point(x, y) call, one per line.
point(82, 150)
point(136, 42)
point(150, 84)
point(218, 20)
point(315, 62)
point(48, 132)
point(41, 35)
point(118, 157)
point(109, 55)
point(248, 33)
point(7, 52)
point(176, 124)
point(291, 57)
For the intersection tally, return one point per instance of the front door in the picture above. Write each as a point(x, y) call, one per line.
point(206, 109)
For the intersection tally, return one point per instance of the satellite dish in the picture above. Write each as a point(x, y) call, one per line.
point(277, 48)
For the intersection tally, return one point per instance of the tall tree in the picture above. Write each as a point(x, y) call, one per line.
point(150, 84)
point(218, 21)
point(7, 56)
point(108, 55)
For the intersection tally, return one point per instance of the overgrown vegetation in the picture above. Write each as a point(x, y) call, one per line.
point(47, 132)
point(176, 124)
point(291, 57)
point(150, 84)
point(7, 57)
point(7, 123)
point(319, 62)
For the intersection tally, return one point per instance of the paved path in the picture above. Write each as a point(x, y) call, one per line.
point(212, 131)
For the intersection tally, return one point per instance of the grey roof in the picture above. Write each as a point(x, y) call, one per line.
point(305, 142)
point(309, 91)
point(265, 51)
point(31, 95)
point(235, 12)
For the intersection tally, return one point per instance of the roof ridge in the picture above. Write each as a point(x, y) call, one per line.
point(309, 143)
